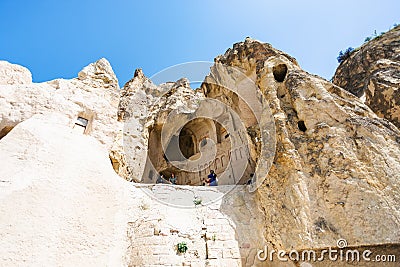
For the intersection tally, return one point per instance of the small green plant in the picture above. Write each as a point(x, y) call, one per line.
point(197, 201)
point(372, 36)
point(182, 247)
point(367, 39)
point(214, 237)
point(376, 35)
point(343, 55)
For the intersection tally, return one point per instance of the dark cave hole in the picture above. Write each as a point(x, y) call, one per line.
point(302, 127)
point(279, 72)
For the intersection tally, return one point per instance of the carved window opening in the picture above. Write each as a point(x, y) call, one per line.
point(81, 125)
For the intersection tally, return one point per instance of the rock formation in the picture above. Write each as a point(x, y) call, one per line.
point(14, 74)
point(326, 167)
point(372, 73)
point(61, 202)
point(142, 108)
point(336, 161)
point(99, 75)
point(157, 118)
point(64, 205)
point(93, 97)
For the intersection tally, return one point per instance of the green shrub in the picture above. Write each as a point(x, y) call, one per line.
point(182, 247)
point(345, 55)
point(197, 201)
point(367, 39)
point(376, 35)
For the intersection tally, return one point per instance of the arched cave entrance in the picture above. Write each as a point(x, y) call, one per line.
point(189, 146)
point(187, 142)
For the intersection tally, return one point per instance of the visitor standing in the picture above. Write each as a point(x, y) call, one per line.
point(172, 179)
point(212, 179)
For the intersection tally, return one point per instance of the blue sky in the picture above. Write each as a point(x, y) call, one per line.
point(56, 39)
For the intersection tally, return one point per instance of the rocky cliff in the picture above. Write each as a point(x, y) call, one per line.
point(372, 72)
point(63, 205)
point(93, 96)
point(336, 161)
point(326, 167)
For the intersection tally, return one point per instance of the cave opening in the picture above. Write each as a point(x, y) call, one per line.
point(187, 142)
point(190, 146)
point(279, 71)
point(302, 126)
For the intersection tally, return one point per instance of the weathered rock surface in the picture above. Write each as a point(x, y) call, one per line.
point(336, 169)
point(227, 232)
point(99, 75)
point(93, 98)
point(61, 202)
point(143, 106)
point(14, 74)
point(153, 116)
point(372, 73)
point(64, 205)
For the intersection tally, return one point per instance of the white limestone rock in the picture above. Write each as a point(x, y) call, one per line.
point(61, 202)
point(89, 99)
point(99, 74)
point(144, 105)
point(14, 74)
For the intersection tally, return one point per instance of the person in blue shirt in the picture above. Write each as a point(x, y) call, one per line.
point(212, 179)
point(172, 179)
point(160, 179)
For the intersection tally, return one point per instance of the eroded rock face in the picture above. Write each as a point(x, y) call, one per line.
point(142, 106)
point(336, 161)
point(162, 121)
point(334, 170)
point(61, 203)
point(93, 98)
point(14, 74)
point(373, 73)
point(99, 75)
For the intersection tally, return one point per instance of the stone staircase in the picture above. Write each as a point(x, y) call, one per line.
point(220, 225)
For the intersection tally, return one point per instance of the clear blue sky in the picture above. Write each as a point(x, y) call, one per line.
point(55, 39)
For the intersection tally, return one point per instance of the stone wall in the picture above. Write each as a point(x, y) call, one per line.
point(227, 232)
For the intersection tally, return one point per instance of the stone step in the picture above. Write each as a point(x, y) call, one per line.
point(212, 229)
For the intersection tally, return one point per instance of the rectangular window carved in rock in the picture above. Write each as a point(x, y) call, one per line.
point(80, 125)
